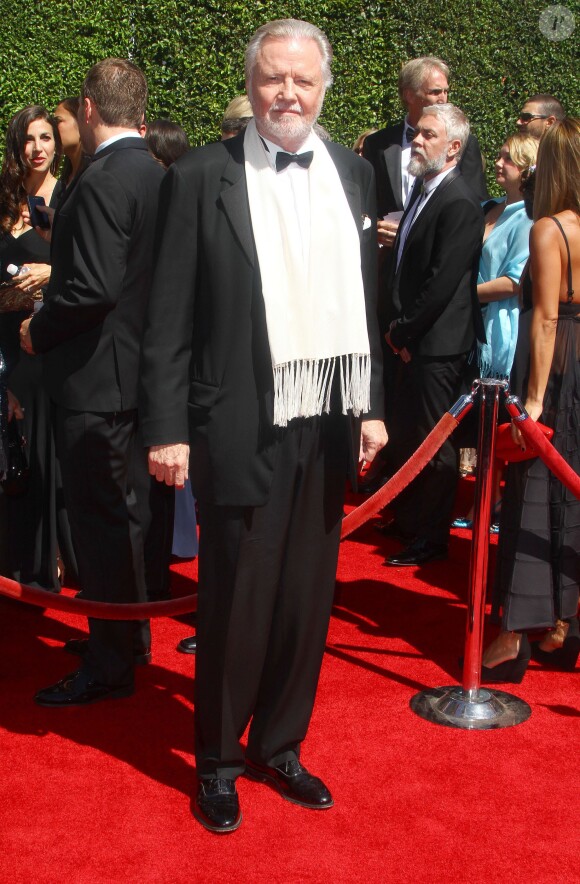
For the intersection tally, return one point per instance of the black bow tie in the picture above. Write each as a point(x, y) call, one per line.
point(284, 159)
point(409, 134)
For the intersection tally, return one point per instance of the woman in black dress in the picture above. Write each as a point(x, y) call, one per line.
point(538, 573)
point(36, 521)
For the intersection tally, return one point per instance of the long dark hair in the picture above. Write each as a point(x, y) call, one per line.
point(72, 106)
point(166, 140)
point(14, 169)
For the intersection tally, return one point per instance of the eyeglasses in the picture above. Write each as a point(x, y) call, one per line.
point(527, 118)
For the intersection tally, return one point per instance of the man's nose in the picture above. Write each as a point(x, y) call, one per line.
point(288, 89)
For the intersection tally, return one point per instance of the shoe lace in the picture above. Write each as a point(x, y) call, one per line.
point(221, 786)
point(291, 768)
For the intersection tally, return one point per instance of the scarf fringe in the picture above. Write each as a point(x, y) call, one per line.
point(302, 388)
point(489, 371)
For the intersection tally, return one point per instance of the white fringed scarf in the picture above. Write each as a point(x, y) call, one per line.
point(315, 316)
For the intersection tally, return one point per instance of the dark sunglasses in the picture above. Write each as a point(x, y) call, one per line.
point(527, 118)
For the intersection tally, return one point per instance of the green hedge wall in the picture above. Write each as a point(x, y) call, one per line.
point(192, 54)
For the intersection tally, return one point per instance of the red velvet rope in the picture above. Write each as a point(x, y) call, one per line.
point(99, 610)
point(421, 457)
point(148, 610)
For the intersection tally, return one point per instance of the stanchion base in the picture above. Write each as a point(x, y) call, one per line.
point(471, 710)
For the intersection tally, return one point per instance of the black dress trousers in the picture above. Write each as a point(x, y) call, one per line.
point(266, 585)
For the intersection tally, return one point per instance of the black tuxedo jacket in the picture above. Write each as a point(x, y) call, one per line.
point(433, 293)
point(383, 150)
point(207, 372)
point(90, 327)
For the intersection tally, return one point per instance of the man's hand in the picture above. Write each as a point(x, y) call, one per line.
point(14, 407)
point(25, 339)
point(403, 352)
point(373, 437)
point(387, 232)
point(169, 463)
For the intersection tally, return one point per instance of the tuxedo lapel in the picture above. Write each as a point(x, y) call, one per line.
point(392, 155)
point(234, 198)
point(424, 218)
point(352, 192)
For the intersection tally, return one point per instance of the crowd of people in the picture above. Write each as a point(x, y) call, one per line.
point(231, 331)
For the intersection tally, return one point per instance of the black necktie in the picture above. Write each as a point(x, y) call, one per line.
point(409, 134)
point(284, 159)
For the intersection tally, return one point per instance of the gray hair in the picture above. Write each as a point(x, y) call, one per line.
point(414, 72)
point(456, 123)
point(295, 29)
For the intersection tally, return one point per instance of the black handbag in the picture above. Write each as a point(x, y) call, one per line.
point(15, 480)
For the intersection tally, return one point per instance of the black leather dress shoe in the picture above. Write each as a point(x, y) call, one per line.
point(419, 552)
point(217, 806)
point(77, 689)
point(188, 645)
point(80, 646)
point(293, 782)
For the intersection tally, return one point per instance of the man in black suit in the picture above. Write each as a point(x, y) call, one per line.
point(262, 344)
point(432, 318)
point(89, 331)
point(422, 82)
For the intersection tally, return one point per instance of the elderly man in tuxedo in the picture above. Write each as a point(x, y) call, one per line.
point(89, 331)
point(432, 319)
point(262, 351)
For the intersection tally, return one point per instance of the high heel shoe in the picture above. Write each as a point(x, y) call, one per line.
point(562, 656)
point(511, 670)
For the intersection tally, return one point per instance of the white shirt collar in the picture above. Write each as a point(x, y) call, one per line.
point(129, 133)
point(429, 186)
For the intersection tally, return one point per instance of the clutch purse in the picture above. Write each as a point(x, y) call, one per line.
point(507, 449)
point(12, 300)
point(15, 480)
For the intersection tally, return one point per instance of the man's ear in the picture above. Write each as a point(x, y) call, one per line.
point(453, 149)
point(87, 109)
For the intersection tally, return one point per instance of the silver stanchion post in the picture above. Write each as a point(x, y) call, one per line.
point(470, 706)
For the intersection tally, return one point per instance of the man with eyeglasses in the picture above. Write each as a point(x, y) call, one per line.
point(422, 82)
point(539, 113)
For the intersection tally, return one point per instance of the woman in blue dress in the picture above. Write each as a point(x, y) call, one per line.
point(504, 255)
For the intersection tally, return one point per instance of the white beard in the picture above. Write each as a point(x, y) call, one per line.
point(293, 127)
point(420, 165)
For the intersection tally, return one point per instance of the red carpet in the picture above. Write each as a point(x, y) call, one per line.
point(102, 794)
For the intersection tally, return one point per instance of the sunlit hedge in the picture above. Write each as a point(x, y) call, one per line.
point(192, 53)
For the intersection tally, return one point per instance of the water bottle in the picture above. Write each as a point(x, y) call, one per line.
point(13, 270)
